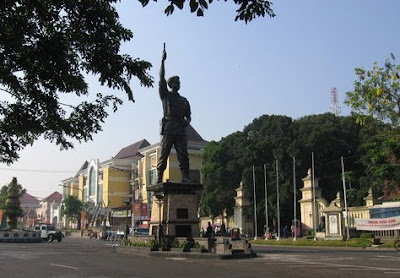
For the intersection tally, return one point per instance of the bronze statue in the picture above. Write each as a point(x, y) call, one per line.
point(177, 117)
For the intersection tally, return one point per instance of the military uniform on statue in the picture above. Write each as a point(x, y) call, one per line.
point(175, 204)
point(177, 117)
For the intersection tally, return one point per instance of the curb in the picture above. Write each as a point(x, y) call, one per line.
point(180, 254)
point(372, 248)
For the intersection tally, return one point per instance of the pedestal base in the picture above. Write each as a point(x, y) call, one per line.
point(175, 207)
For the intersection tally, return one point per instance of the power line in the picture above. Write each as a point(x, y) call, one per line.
point(37, 170)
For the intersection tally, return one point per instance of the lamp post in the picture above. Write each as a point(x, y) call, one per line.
point(127, 202)
point(159, 201)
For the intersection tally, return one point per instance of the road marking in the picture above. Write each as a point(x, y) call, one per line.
point(65, 266)
point(337, 259)
point(385, 258)
point(353, 269)
point(347, 266)
point(309, 266)
point(296, 260)
point(176, 259)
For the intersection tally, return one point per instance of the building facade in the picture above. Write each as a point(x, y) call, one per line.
point(115, 190)
point(29, 204)
point(330, 219)
point(49, 211)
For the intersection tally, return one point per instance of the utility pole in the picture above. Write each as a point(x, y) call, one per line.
point(294, 224)
point(345, 199)
point(277, 202)
point(314, 201)
point(255, 205)
point(266, 202)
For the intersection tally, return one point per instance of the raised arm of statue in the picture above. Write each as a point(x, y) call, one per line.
point(163, 84)
point(162, 68)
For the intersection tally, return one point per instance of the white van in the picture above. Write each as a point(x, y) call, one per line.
point(48, 232)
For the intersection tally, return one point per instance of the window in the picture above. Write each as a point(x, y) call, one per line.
point(153, 161)
point(153, 176)
point(92, 181)
point(100, 193)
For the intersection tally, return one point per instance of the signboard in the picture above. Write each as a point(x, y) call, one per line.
point(333, 224)
point(121, 213)
point(378, 224)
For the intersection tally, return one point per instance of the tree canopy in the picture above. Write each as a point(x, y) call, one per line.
point(270, 139)
point(46, 49)
point(377, 93)
point(247, 10)
point(73, 208)
point(11, 192)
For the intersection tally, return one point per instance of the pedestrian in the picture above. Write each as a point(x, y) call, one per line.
point(126, 231)
point(223, 230)
point(209, 231)
point(285, 231)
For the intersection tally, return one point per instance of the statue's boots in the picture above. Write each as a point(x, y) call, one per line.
point(185, 175)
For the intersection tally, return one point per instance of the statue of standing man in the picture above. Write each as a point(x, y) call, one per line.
point(176, 118)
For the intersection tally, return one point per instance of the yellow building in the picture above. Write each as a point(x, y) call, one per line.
point(117, 187)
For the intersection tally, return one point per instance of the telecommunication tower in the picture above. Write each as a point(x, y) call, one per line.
point(335, 108)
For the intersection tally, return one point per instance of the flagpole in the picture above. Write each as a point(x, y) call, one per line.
point(255, 205)
point(294, 224)
point(314, 201)
point(277, 202)
point(345, 199)
point(266, 202)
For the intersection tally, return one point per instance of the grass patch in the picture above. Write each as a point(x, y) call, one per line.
point(388, 244)
point(353, 242)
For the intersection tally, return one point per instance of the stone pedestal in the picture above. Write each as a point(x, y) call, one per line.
point(175, 207)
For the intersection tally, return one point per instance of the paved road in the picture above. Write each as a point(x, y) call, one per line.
point(330, 262)
point(91, 258)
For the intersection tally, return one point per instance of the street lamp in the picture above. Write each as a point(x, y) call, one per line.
point(127, 201)
point(159, 201)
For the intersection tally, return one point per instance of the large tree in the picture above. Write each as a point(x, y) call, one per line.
point(9, 202)
point(329, 137)
point(376, 94)
point(224, 164)
point(72, 209)
point(46, 49)
point(279, 138)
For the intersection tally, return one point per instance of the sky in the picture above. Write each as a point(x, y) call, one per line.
point(230, 72)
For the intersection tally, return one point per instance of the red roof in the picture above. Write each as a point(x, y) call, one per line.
point(28, 199)
point(132, 150)
point(193, 135)
point(55, 196)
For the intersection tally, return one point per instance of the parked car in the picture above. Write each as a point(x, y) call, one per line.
point(48, 232)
